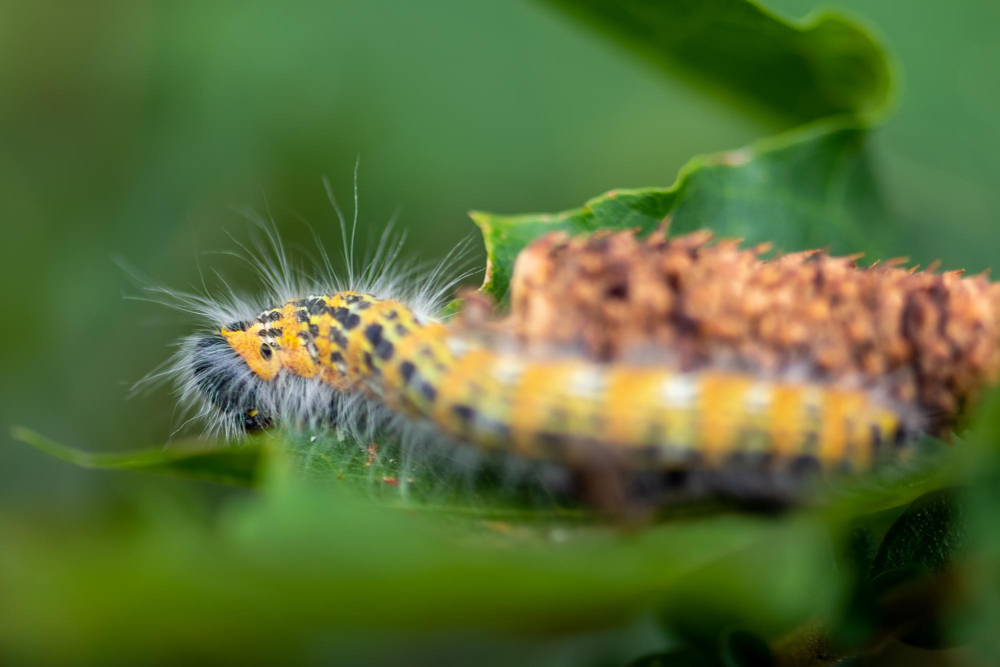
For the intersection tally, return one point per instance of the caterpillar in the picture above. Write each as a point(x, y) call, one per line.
point(360, 359)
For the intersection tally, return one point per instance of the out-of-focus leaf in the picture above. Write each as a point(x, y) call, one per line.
point(311, 560)
point(808, 188)
point(824, 65)
point(236, 464)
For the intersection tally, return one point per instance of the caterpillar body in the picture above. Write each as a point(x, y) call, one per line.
point(571, 411)
point(372, 357)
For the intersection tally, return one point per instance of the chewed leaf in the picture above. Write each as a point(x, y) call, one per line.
point(824, 65)
point(235, 464)
point(811, 187)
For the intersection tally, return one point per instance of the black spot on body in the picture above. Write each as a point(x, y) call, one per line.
point(275, 333)
point(406, 369)
point(369, 362)
point(336, 357)
point(374, 334)
point(384, 350)
point(364, 305)
point(346, 318)
point(338, 337)
point(464, 412)
point(352, 298)
point(391, 315)
point(274, 316)
point(316, 306)
point(266, 352)
point(429, 392)
point(302, 316)
point(313, 329)
point(401, 330)
point(237, 326)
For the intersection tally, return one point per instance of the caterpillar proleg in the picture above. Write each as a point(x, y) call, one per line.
point(360, 358)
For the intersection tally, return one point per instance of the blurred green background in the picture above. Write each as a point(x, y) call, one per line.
point(129, 129)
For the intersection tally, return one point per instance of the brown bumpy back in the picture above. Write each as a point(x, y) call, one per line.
point(930, 337)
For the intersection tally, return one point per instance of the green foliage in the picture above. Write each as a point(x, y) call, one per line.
point(811, 187)
point(336, 556)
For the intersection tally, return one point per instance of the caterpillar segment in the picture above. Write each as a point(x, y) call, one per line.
point(564, 410)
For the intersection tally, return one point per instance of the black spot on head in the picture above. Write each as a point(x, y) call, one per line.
point(266, 352)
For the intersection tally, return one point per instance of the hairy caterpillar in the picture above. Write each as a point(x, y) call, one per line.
point(352, 356)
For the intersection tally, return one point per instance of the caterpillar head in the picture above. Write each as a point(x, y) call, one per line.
point(229, 381)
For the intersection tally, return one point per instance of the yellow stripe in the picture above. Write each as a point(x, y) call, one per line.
point(537, 392)
point(786, 419)
point(722, 413)
point(840, 408)
point(631, 405)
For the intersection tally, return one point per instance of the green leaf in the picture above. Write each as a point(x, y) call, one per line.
point(824, 65)
point(311, 560)
point(236, 464)
point(931, 533)
point(808, 188)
